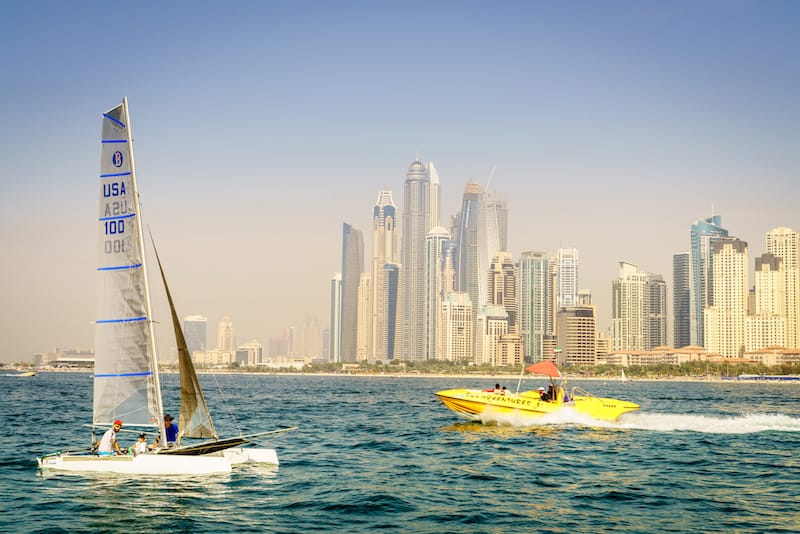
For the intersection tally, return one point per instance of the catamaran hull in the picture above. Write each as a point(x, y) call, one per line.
point(471, 404)
point(144, 464)
point(241, 455)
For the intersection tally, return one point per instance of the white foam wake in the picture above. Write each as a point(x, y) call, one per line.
point(659, 422)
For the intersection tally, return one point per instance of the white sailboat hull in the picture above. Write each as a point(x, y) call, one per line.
point(144, 464)
point(241, 455)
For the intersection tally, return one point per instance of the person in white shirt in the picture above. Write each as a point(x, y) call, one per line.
point(140, 447)
point(108, 445)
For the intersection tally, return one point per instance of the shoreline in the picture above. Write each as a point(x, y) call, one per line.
point(460, 376)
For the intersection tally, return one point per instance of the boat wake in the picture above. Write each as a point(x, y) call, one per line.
point(657, 422)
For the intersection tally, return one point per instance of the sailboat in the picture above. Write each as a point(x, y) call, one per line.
point(472, 403)
point(622, 377)
point(126, 377)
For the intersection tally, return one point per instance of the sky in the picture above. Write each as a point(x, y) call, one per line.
point(261, 126)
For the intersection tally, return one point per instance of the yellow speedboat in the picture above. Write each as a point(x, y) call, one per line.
point(471, 403)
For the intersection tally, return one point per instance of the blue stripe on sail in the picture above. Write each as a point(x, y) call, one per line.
point(117, 375)
point(114, 217)
point(121, 267)
point(113, 175)
point(112, 119)
point(131, 320)
point(115, 141)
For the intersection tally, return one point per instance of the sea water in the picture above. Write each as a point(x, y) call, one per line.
point(383, 454)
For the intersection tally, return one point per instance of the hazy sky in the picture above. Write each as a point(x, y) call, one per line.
point(261, 126)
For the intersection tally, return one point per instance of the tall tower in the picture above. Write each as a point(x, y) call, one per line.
point(657, 311)
point(456, 328)
point(784, 243)
point(352, 266)
point(680, 300)
point(703, 233)
point(469, 266)
point(502, 287)
point(496, 224)
point(577, 335)
point(765, 326)
point(435, 255)
point(195, 329)
point(335, 329)
point(435, 202)
point(384, 252)
point(638, 319)
point(724, 320)
point(567, 277)
point(629, 302)
point(364, 343)
point(415, 227)
point(533, 267)
point(225, 335)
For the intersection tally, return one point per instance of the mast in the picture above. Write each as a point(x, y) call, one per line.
point(148, 306)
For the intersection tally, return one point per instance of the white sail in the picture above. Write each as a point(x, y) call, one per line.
point(125, 376)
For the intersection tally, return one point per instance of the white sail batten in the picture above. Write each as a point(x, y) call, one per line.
point(126, 383)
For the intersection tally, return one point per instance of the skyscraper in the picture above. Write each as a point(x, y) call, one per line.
point(384, 252)
point(628, 308)
point(657, 312)
point(703, 233)
point(456, 328)
point(470, 236)
point(496, 224)
point(765, 326)
point(492, 324)
point(638, 319)
point(724, 320)
point(502, 287)
point(437, 242)
point(680, 300)
point(364, 342)
point(415, 227)
point(533, 267)
point(195, 330)
point(352, 267)
point(577, 335)
point(567, 277)
point(225, 340)
point(435, 202)
point(335, 328)
point(784, 243)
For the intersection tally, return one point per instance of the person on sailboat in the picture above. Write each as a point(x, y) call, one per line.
point(172, 431)
point(107, 445)
point(140, 447)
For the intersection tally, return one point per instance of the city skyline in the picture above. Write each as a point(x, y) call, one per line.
point(259, 130)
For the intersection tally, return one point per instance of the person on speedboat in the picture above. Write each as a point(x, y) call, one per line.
point(107, 445)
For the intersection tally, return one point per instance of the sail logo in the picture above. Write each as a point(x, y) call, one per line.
point(116, 159)
point(114, 189)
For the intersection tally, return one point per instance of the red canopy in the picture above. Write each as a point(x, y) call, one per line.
point(544, 368)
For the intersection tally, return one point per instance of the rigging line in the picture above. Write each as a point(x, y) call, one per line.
point(281, 431)
point(225, 403)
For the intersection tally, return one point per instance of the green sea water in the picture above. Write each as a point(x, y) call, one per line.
point(382, 454)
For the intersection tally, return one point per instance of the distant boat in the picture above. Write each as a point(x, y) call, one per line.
point(126, 378)
point(772, 378)
point(23, 374)
point(622, 377)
